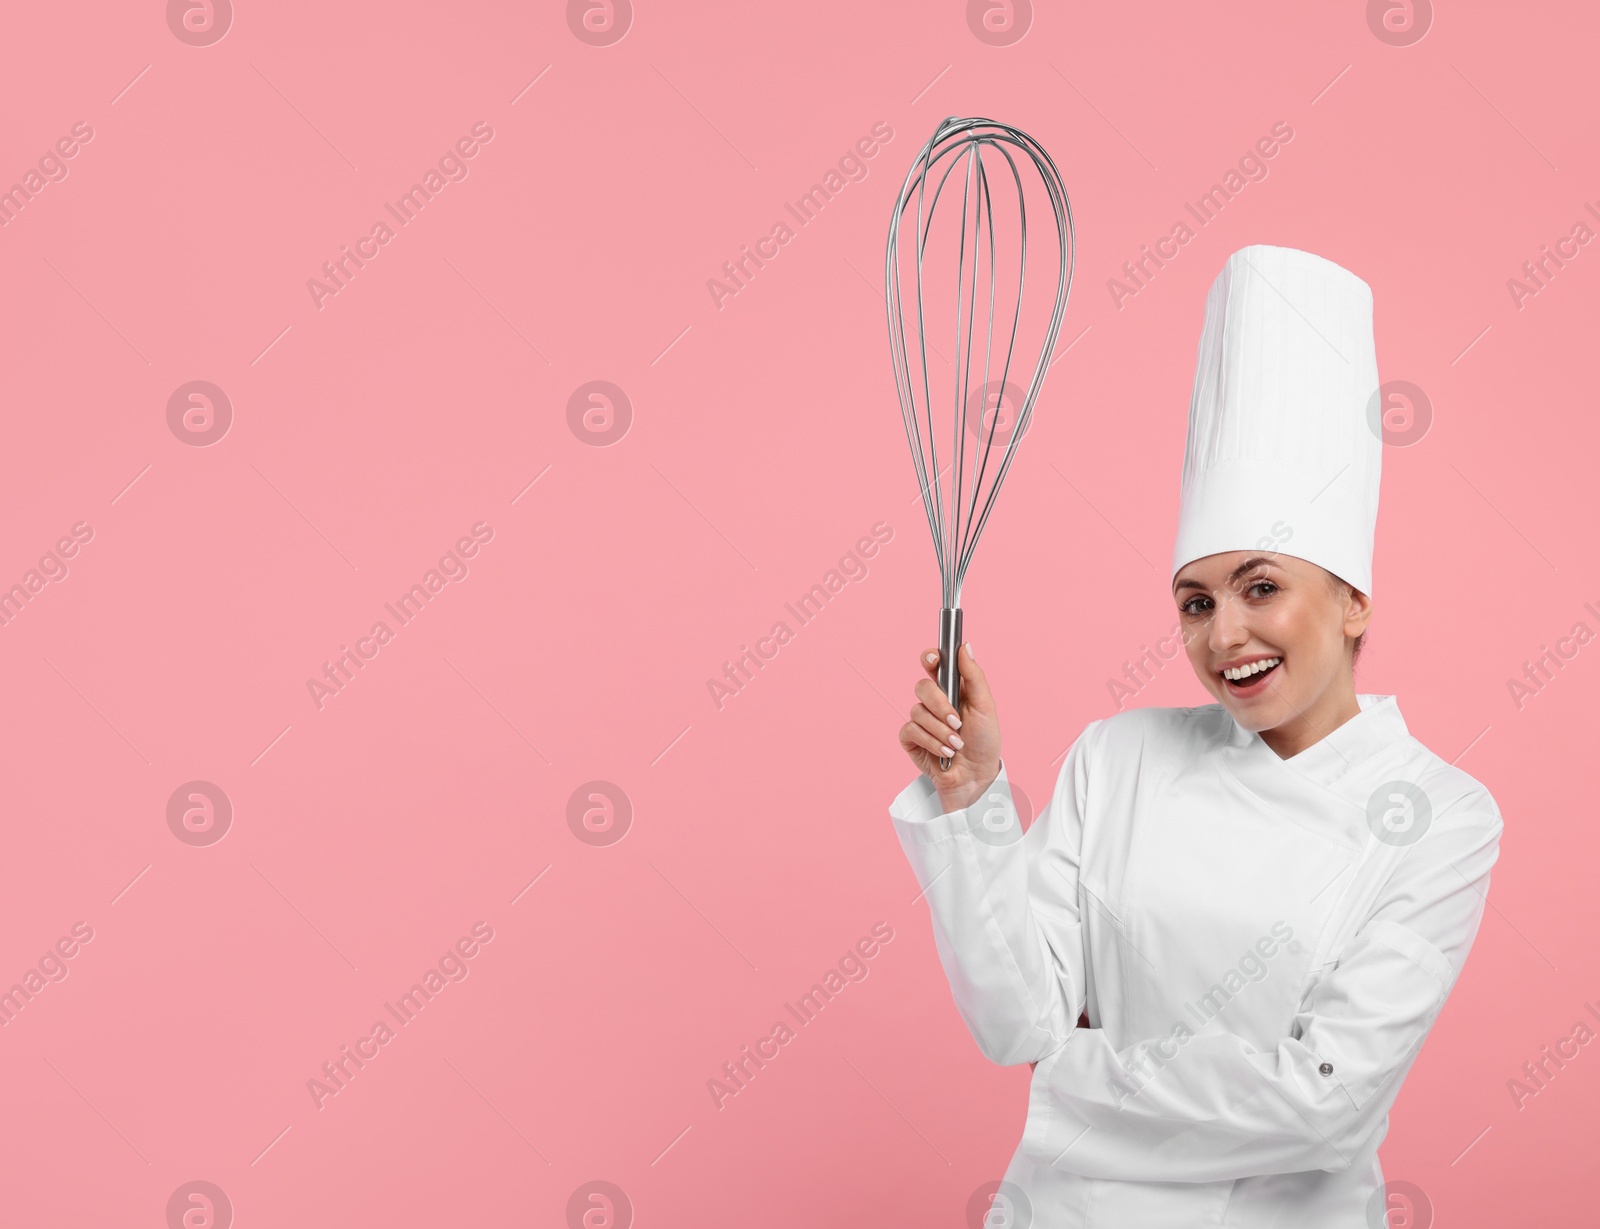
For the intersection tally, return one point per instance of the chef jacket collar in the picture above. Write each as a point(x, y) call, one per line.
point(1347, 763)
point(1377, 725)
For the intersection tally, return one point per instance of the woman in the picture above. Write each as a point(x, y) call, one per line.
point(1258, 905)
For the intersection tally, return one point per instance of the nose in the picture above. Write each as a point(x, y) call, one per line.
point(1227, 625)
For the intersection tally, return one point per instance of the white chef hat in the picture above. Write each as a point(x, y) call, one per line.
point(1282, 453)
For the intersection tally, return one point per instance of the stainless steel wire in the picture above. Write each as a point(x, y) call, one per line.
point(990, 156)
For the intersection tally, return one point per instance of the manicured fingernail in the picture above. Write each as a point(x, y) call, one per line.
point(955, 741)
point(932, 657)
point(970, 653)
point(955, 722)
point(946, 752)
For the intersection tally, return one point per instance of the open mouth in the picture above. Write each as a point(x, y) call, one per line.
point(1251, 678)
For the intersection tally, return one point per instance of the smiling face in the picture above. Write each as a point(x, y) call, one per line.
point(1284, 630)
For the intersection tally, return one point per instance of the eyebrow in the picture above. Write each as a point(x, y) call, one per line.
point(1232, 576)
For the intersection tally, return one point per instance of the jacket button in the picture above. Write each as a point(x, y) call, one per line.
point(1326, 1068)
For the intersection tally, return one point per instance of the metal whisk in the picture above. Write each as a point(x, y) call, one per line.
point(994, 160)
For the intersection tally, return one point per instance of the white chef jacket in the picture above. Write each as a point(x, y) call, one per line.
point(1260, 946)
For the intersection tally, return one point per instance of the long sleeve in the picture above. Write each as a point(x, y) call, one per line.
point(1004, 906)
point(1212, 1107)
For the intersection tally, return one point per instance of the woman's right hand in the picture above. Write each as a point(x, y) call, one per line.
point(974, 742)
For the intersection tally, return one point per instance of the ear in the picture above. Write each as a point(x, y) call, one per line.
point(1357, 612)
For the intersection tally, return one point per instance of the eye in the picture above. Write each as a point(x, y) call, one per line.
point(1189, 608)
point(1262, 584)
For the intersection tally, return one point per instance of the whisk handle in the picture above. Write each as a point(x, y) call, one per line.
point(949, 672)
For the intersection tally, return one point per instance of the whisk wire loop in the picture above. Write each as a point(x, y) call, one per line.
point(957, 512)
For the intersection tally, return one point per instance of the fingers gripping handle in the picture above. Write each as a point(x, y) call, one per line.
point(949, 671)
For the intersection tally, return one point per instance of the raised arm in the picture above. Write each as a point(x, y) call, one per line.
point(1004, 906)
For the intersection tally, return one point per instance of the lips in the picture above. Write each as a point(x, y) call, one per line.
point(1252, 682)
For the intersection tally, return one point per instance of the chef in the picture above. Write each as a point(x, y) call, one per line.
point(1257, 906)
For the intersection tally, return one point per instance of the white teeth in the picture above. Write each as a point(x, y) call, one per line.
point(1255, 667)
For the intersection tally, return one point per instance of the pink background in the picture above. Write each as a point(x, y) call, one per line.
point(368, 435)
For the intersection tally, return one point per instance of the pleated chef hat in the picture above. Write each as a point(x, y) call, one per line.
point(1282, 454)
